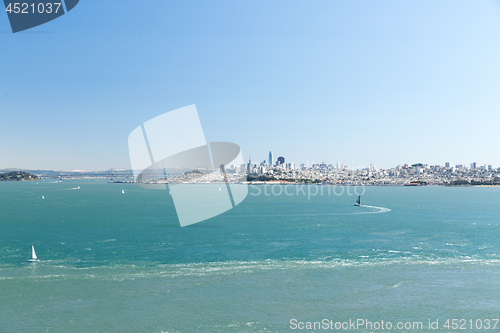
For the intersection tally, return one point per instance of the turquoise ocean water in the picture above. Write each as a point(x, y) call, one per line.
point(119, 262)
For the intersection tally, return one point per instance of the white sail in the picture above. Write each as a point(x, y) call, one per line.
point(33, 254)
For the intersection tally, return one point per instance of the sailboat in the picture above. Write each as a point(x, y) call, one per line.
point(123, 191)
point(358, 201)
point(33, 255)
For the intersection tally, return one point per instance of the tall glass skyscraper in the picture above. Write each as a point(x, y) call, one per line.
point(270, 158)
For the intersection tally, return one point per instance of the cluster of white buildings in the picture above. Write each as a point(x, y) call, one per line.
point(416, 174)
point(279, 170)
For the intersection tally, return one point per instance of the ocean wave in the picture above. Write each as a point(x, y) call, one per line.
point(123, 272)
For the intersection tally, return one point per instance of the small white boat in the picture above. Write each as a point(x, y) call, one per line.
point(33, 255)
point(43, 197)
point(123, 191)
point(78, 187)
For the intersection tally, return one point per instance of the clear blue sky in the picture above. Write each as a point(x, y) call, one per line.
point(360, 82)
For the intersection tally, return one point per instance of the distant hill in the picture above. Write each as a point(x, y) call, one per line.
point(109, 173)
point(17, 176)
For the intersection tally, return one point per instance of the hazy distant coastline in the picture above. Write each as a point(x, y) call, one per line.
point(75, 174)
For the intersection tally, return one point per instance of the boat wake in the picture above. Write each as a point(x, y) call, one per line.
point(379, 210)
point(376, 210)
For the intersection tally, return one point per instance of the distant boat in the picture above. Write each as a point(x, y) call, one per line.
point(78, 188)
point(33, 255)
point(43, 197)
point(358, 201)
point(123, 191)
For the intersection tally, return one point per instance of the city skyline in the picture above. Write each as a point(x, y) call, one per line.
point(473, 165)
point(286, 173)
point(358, 82)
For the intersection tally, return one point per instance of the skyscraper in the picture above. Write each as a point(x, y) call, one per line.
point(281, 160)
point(270, 158)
